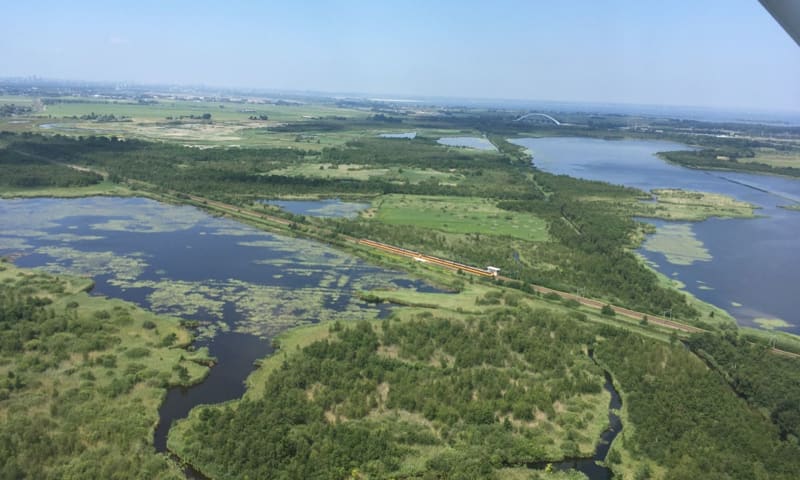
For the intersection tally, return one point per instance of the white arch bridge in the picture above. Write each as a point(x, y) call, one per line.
point(538, 115)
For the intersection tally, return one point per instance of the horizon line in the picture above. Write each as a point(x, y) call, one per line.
point(401, 97)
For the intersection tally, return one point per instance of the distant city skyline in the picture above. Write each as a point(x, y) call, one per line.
point(720, 54)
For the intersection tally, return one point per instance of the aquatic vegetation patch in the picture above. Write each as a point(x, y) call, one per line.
point(13, 243)
point(147, 221)
point(233, 229)
point(678, 244)
point(338, 209)
point(303, 281)
point(772, 323)
point(113, 214)
point(77, 262)
point(677, 204)
point(261, 310)
point(73, 238)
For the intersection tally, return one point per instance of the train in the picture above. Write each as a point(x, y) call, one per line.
point(489, 272)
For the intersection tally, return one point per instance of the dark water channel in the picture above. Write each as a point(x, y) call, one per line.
point(241, 285)
point(590, 466)
point(752, 266)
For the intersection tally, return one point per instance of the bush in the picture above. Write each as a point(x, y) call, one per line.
point(607, 310)
point(137, 352)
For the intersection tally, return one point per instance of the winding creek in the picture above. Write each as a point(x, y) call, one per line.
point(749, 267)
point(591, 467)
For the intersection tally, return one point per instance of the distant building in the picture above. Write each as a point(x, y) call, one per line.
point(493, 270)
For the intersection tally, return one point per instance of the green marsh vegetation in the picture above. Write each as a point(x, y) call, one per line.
point(676, 204)
point(678, 244)
point(82, 378)
point(461, 215)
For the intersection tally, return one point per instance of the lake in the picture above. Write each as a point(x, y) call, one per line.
point(752, 266)
point(331, 208)
point(468, 142)
point(408, 135)
point(243, 285)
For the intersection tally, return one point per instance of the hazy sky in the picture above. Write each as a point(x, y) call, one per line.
point(679, 52)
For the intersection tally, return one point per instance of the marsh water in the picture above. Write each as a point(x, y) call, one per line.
point(749, 267)
point(330, 208)
point(468, 142)
point(408, 135)
point(242, 285)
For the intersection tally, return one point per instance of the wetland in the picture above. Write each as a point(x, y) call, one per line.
point(235, 285)
point(745, 266)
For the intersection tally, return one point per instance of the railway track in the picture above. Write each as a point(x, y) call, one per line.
point(448, 264)
point(451, 265)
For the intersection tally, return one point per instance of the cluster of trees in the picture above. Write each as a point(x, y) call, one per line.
point(108, 117)
point(597, 236)
point(474, 386)
point(10, 109)
point(21, 171)
point(66, 387)
point(726, 159)
point(770, 383)
point(688, 419)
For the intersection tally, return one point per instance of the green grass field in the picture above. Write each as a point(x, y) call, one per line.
point(222, 111)
point(361, 172)
point(459, 215)
point(676, 204)
point(230, 125)
point(775, 158)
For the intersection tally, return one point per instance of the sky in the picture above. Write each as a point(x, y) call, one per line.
point(711, 53)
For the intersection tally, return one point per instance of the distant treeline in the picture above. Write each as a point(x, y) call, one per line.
point(726, 160)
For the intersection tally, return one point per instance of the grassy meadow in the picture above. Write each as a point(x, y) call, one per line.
point(461, 215)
